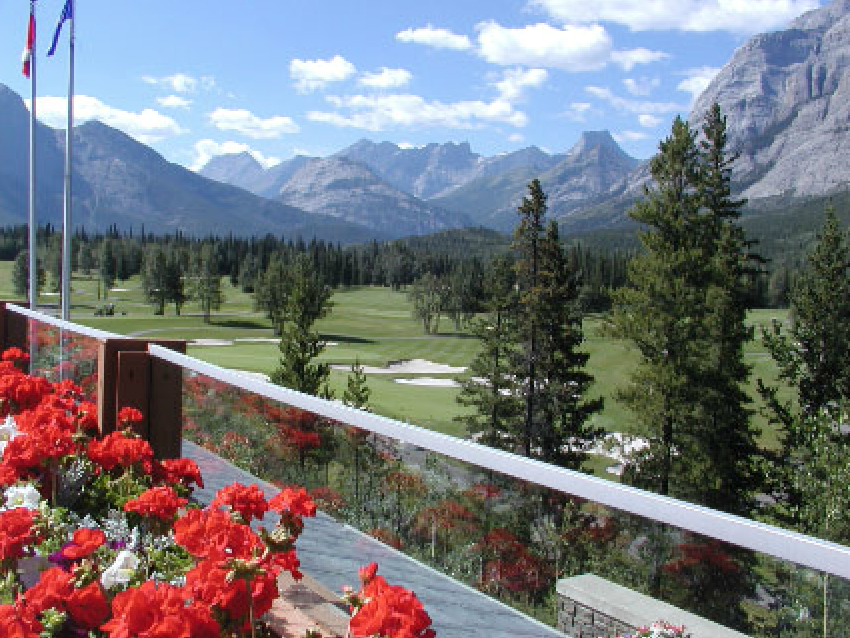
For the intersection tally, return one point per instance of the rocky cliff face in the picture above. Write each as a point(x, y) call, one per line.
point(787, 99)
point(351, 191)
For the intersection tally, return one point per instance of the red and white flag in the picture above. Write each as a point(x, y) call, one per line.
point(27, 55)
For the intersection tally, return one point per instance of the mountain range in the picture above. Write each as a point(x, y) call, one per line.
point(786, 95)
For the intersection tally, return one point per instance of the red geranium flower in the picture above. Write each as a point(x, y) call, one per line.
point(389, 610)
point(15, 622)
point(127, 415)
point(15, 354)
point(16, 531)
point(53, 589)
point(212, 532)
point(183, 470)
point(89, 606)
point(84, 542)
point(161, 502)
point(117, 449)
point(249, 501)
point(159, 611)
point(293, 500)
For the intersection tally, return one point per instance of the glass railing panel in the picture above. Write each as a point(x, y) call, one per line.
point(59, 353)
point(511, 539)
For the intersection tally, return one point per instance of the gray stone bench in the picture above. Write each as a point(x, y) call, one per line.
point(591, 607)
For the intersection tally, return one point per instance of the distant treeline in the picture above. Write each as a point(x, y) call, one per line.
point(116, 256)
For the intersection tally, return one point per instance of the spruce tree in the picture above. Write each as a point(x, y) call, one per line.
point(206, 286)
point(662, 313)
point(307, 302)
point(356, 394)
point(565, 414)
point(527, 238)
point(491, 386)
point(729, 440)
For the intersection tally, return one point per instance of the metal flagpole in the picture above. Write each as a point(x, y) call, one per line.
point(33, 288)
point(66, 217)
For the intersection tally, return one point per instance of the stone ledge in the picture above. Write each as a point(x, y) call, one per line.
point(588, 597)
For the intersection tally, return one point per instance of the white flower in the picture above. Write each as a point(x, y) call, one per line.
point(8, 431)
point(121, 570)
point(22, 496)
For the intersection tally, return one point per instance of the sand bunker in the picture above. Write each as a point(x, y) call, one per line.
point(430, 381)
point(230, 342)
point(408, 366)
point(618, 446)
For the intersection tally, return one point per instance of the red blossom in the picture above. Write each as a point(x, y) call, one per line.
point(15, 354)
point(249, 501)
point(128, 415)
point(159, 611)
point(295, 500)
point(160, 502)
point(89, 606)
point(119, 450)
point(185, 471)
point(16, 531)
point(84, 542)
point(389, 610)
point(16, 622)
point(212, 532)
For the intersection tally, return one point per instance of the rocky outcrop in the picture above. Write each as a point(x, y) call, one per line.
point(786, 96)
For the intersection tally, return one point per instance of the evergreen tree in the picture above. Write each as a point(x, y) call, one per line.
point(206, 286)
point(106, 266)
point(729, 441)
point(175, 286)
point(154, 274)
point(307, 302)
point(662, 312)
point(428, 296)
point(21, 274)
point(565, 430)
point(527, 240)
point(356, 395)
point(272, 289)
point(814, 361)
point(491, 387)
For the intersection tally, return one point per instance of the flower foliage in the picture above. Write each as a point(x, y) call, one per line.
point(97, 537)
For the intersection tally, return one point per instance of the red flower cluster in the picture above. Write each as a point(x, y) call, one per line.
point(161, 502)
point(119, 450)
point(159, 611)
point(388, 610)
point(184, 471)
point(88, 606)
point(248, 501)
point(16, 531)
point(84, 542)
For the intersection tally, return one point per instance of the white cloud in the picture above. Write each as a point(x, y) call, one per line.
point(174, 102)
point(574, 48)
point(206, 149)
point(641, 86)
point(737, 16)
point(182, 83)
point(310, 75)
point(245, 122)
point(516, 137)
point(512, 86)
point(147, 126)
point(629, 136)
point(630, 57)
point(379, 112)
point(386, 78)
point(578, 111)
point(697, 80)
point(634, 106)
point(435, 37)
point(648, 120)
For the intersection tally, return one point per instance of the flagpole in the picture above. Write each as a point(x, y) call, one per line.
point(66, 217)
point(33, 287)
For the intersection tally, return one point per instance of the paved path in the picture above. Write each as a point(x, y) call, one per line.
point(332, 552)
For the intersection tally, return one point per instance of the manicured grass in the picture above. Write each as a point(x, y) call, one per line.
point(375, 326)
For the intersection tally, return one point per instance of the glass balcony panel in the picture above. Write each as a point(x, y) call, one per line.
point(510, 539)
point(60, 354)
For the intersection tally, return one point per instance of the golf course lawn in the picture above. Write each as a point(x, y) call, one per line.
point(373, 326)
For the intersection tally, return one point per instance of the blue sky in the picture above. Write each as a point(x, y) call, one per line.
point(279, 77)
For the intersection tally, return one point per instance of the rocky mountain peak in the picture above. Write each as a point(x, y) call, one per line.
point(786, 96)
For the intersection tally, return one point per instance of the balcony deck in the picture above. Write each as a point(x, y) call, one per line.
point(332, 553)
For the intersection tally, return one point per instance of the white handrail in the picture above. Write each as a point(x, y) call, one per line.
point(94, 333)
point(798, 548)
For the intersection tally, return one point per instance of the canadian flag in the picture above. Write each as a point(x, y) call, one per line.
point(27, 55)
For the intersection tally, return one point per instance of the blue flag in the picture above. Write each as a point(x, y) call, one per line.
point(67, 14)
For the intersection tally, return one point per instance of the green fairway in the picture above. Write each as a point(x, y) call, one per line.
point(372, 325)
